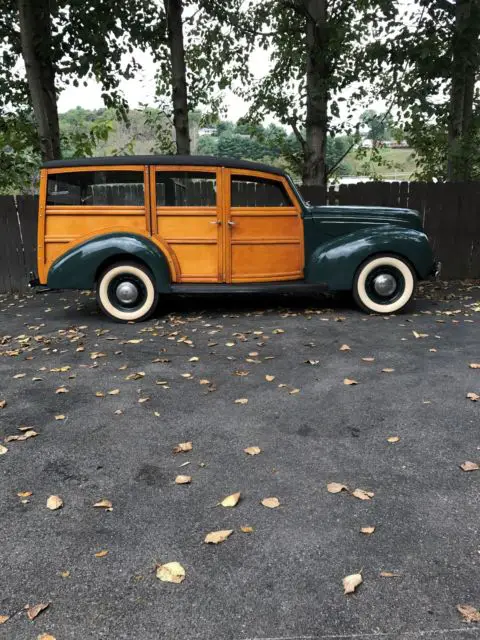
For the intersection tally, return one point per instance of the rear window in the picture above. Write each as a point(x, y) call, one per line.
point(186, 189)
point(93, 188)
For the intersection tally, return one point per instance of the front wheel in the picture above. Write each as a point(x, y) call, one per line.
point(126, 292)
point(384, 284)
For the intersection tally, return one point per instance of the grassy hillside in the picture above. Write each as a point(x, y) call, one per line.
point(397, 164)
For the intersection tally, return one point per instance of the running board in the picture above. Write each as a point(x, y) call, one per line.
point(298, 287)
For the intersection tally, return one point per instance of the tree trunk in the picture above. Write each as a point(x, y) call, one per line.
point(314, 171)
point(465, 67)
point(173, 10)
point(36, 40)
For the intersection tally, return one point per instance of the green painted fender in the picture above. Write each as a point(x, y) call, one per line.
point(79, 267)
point(335, 262)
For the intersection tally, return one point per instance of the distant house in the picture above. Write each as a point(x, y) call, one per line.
point(208, 131)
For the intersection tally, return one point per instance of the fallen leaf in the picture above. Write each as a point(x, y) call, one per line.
point(3, 619)
point(367, 530)
point(253, 451)
point(3, 404)
point(114, 392)
point(474, 365)
point(345, 347)
point(99, 394)
point(389, 574)
point(45, 636)
point(350, 583)
point(269, 378)
point(292, 392)
point(469, 466)
point(246, 529)
point(469, 613)
point(387, 370)
point(368, 359)
point(19, 375)
point(186, 375)
point(231, 501)
point(241, 373)
point(215, 537)
point(142, 400)
point(183, 479)
point(473, 396)
point(312, 362)
point(336, 487)
point(65, 574)
point(241, 401)
point(393, 439)
point(101, 554)
point(271, 503)
point(349, 381)
point(104, 504)
point(420, 335)
point(61, 390)
point(54, 503)
point(60, 417)
point(24, 494)
point(3, 450)
point(182, 447)
point(32, 612)
point(194, 359)
point(278, 331)
point(361, 494)
point(204, 381)
point(135, 376)
point(171, 572)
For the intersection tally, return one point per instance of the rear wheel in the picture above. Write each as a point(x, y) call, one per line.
point(126, 292)
point(384, 284)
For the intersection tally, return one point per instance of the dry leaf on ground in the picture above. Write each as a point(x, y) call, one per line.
point(269, 378)
point(336, 487)
point(473, 396)
point(420, 335)
point(253, 451)
point(368, 359)
point(241, 401)
point(101, 554)
point(350, 583)
point(171, 572)
point(60, 417)
point(393, 439)
point(349, 381)
point(61, 390)
point(469, 613)
point(469, 466)
point(231, 501)
point(271, 503)
point(345, 347)
point(54, 503)
point(367, 530)
point(312, 362)
point(361, 494)
point(104, 504)
point(387, 370)
point(246, 529)
point(182, 447)
point(389, 574)
point(114, 392)
point(45, 636)
point(32, 612)
point(183, 479)
point(3, 619)
point(215, 537)
point(474, 365)
point(3, 450)
point(3, 404)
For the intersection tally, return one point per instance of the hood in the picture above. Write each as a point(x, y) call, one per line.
point(360, 217)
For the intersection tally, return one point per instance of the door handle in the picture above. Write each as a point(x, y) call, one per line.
point(231, 223)
point(218, 222)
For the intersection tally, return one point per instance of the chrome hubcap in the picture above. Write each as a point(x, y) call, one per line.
point(126, 292)
point(384, 284)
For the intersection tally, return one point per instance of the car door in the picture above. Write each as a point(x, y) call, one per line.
point(264, 229)
point(187, 215)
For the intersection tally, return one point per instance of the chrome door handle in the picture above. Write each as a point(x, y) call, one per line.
point(219, 222)
point(231, 223)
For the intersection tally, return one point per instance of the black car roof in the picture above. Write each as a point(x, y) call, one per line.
point(197, 161)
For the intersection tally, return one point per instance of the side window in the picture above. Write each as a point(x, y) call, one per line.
point(92, 188)
point(248, 191)
point(186, 189)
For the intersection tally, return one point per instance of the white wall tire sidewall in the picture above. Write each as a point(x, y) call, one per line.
point(110, 309)
point(390, 261)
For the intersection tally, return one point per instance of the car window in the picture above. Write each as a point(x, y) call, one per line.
point(248, 191)
point(186, 189)
point(91, 188)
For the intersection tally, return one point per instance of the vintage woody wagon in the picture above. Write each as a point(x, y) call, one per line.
point(138, 227)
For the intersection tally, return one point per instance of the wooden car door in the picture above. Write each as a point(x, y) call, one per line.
point(187, 215)
point(263, 229)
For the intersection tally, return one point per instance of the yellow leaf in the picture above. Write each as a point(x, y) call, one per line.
point(99, 394)
point(135, 376)
point(204, 381)
point(54, 503)
point(182, 447)
point(60, 417)
point(194, 359)
point(3, 619)
point(142, 400)
point(349, 381)
point(367, 530)
point(420, 335)
point(32, 612)
point(62, 390)
point(241, 401)
point(473, 396)
point(171, 572)
point(361, 494)
point(253, 451)
point(350, 583)
point(278, 331)
point(469, 466)
point(474, 365)
point(336, 487)
point(231, 501)
point(45, 636)
point(104, 504)
point(246, 529)
point(186, 375)
point(269, 378)
point(19, 375)
point(114, 392)
point(345, 347)
point(101, 554)
point(215, 537)
point(389, 574)
point(230, 344)
point(393, 439)
point(368, 359)
point(3, 404)
point(292, 392)
point(65, 574)
point(183, 479)
point(387, 370)
point(469, 613)
point(271, 503)
point(241, 373)
point(24, 494)
point(3, 450)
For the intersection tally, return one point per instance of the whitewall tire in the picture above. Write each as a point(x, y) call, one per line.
point(126, 292)
point(384, 284)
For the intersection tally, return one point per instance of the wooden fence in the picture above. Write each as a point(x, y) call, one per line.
point(450, 213)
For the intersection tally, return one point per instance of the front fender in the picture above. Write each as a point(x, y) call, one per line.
point(78, 267)
point(335, 262)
